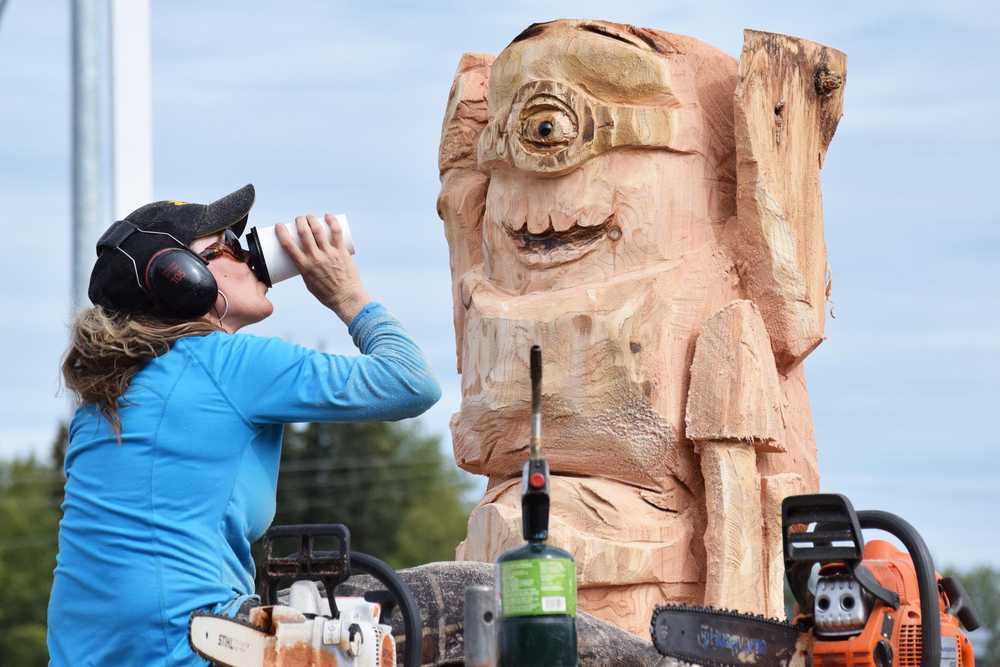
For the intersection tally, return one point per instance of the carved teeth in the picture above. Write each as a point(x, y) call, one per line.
point(539, 224)
point(561, 222)
point(516, 215)
point(556, 222)
point(549, 238)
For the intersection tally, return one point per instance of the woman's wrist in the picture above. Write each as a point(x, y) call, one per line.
point(349, 307)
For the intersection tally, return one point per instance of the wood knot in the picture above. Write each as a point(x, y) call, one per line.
point(826, 81)
point(779, 121)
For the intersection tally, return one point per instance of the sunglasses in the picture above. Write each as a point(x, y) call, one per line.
point(229, 245)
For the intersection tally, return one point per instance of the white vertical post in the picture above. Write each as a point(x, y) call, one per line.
point(89, 114)
point(131, 106)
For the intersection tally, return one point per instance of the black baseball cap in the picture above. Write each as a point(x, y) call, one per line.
point(115, 279)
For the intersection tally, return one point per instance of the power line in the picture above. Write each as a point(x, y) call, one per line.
point(342, 483)
point(285, 472)
point(291, 468)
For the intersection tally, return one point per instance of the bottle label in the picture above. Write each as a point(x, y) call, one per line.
point(538, 587)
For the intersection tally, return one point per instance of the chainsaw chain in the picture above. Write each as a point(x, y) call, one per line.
point(238, 621)
point(731, 614)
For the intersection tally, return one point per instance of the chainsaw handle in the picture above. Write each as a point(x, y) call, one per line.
point(360, 562)
point(960, 604)
point(923, 564)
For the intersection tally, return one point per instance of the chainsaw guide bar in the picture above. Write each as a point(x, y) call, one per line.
point(722, 638)
point(226, 641)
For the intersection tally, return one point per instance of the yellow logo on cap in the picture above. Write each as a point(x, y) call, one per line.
point(175, 202)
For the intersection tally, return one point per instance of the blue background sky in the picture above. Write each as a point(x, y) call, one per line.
point(338, 106)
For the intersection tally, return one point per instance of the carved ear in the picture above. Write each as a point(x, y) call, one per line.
point(463, 187)
point(788, 102)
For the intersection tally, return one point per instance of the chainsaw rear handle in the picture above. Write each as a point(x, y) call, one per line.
point(961, 605)
point(333, 567)
point(923, 564)
point(360, 562)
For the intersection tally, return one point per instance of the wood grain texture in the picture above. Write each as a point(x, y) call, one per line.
point(788, 103)
point(734, 394)
point(733, 537)
point(633, 548)
point(774, 489)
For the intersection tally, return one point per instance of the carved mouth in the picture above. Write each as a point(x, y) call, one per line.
point(551, 246)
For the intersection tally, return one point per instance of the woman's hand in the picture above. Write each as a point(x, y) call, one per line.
point(327, 268)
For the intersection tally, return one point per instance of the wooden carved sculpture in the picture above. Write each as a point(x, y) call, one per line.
point(648, 210)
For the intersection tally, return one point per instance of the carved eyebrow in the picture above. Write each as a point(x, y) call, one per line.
point(607, 32)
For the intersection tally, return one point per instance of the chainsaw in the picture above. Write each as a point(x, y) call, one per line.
point(860, 605)
point(309, 629)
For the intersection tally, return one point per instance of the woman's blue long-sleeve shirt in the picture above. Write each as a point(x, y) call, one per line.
point(161, 524)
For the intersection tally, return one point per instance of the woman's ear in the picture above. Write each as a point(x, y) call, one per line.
point(789, 99)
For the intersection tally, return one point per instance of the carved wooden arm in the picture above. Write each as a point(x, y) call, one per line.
point(463, 186)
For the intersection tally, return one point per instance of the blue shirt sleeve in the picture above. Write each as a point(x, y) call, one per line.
point(270, 381)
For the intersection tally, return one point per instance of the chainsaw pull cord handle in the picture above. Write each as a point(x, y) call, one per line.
point(923, 564)
point(413, 656)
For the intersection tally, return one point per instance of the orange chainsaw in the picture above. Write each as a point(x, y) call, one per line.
point(859, 605)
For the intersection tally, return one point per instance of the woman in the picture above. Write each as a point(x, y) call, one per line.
point(173, 456)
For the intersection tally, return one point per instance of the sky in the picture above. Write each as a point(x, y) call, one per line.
point(337, 106)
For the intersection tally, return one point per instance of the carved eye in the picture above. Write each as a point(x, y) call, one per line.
point(548, 127)
point(547, 124)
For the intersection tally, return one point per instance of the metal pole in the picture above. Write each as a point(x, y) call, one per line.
point(535, 450)
point(89, 31)
point(131, 107)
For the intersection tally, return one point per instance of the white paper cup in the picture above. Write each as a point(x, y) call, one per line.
point(271, 263)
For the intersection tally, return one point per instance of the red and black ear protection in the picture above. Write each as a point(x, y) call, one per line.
point(175, 279)
point(180, 283)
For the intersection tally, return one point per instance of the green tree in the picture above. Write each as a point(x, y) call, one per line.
point(29, 518)
point(388, 482)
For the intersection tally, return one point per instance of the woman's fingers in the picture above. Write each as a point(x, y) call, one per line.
point(289, 246)
point(304, 226)
point(319, 234)
point(326, 267)
point(336, 233)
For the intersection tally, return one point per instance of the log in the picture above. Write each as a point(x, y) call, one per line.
point(439, 589)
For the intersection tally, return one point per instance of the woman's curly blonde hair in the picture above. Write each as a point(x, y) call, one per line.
point(108, 348)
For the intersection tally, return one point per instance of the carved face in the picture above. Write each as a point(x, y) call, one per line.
point(594, 207)
point(595, 147)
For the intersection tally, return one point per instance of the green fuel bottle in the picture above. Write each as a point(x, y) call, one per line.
point(537, 582)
